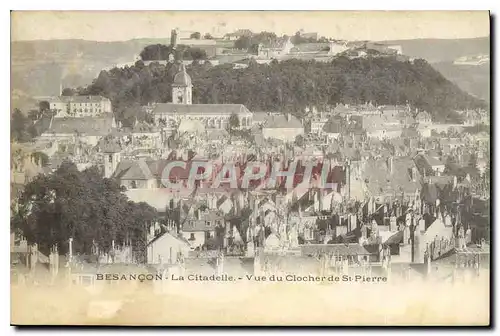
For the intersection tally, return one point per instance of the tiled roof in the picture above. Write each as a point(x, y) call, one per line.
point(77, 99)
point(381, 182)
point(432, 161)
point(143, 127)
point(397, 238)
point(85, 125)
point(180, 238)
point(309, 47)
point(333, 126)
point(85, 99)
point(200, 109)
point(335, 249)
point(241, 32)
point(281, 121)
point(138, 170)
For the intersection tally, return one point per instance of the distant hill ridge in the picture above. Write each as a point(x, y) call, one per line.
point(39, 66)
point(443, 50)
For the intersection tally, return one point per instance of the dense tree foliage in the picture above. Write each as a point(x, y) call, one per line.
point(195, 35)
point(21, 127)
point(68, 92)
point(161, 52)
point(234, 122)
point(250, 43)
point(82, 205)
point(291, 86)
point(299, 39)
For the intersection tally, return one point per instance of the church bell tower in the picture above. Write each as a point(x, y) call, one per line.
point(182, 88)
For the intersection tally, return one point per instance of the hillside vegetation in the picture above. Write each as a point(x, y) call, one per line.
point(289, 86)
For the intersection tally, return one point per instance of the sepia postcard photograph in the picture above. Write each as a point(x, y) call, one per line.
point(250, 168)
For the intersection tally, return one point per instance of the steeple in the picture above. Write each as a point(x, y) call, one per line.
point(173, 39)
point(182, 87)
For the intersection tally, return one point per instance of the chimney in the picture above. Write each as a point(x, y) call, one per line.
point(390, 164)
point(33, 256)
point(70, 249)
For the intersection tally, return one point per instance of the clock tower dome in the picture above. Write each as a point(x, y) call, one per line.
point(182, 88)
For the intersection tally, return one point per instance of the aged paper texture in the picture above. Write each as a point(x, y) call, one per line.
point(250, 168)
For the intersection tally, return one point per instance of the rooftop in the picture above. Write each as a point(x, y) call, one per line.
point(207, 109)
point(276, 120)
point(85, 125)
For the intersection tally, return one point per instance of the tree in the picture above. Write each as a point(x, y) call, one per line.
point(234, 122)
point(207, 36)
point(40, 158)
point(195, 36)
point(244, 43)
point(34, 114)
point(195, 54)
point(68, 92)
point(299, 140)
point(472, 161)
point(18, 126)
point(83, 206)
point(289, 85)
point(44, 106)
point(296, 39)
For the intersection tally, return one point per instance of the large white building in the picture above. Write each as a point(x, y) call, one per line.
point(80, 106)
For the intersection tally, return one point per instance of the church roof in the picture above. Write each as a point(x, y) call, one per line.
point(223, 109)
point(182, 78)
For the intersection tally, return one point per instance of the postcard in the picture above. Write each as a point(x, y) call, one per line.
point(250, 168)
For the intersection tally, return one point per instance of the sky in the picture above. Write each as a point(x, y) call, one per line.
point(349, 25)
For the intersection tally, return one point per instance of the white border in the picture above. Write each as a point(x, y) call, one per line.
point(186, 5)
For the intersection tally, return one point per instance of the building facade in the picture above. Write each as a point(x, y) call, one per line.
point(80, 106)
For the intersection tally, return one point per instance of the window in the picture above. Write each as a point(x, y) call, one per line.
point(208, 223)
point(133, 185)
point(110, 158)
point(192, 237)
